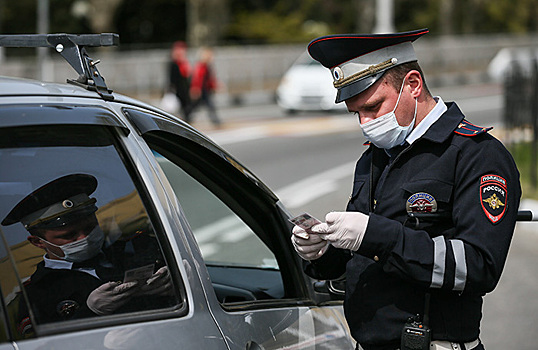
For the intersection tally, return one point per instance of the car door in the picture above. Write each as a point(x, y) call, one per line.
point(255, 285)
point(44, 142)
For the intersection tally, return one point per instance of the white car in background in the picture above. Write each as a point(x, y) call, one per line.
point(307, 86)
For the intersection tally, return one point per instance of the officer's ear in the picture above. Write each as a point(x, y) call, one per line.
point(36, 241)
point(414, 79)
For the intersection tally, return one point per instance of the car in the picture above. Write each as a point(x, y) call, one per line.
point(169, 197)
point(307, 86)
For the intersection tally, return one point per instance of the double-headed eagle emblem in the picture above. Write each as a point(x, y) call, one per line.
point(494, 202)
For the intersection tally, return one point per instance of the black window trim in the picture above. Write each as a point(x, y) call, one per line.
point(17, 115)
point(164, 136)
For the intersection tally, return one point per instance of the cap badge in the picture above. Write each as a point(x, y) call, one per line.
point(338, 74)
point(67, 204)
point(421, 202)
point(493, 196)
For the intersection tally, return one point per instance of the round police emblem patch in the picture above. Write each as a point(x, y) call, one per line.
point(493, 196)
point(421, 202)
point(66, 308)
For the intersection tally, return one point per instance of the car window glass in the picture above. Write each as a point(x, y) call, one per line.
point(241, 265)
point(65, 282)
point(9, 287)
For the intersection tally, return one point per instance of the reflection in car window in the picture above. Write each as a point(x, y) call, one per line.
point(8, 287)
point(236, 257)
point(76, 225)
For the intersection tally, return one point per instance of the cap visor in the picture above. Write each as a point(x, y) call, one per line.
point(355, 88)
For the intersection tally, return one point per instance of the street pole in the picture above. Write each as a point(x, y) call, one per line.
point(44, 64)
point(384, 15)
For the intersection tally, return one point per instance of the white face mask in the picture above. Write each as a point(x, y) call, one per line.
point(83, 249)
point(384, 131)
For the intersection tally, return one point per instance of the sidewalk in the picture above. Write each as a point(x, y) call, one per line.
point(270, 119)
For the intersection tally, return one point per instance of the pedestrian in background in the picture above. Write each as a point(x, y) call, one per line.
point(204, 84)
point(433, 208)
point(179, 74)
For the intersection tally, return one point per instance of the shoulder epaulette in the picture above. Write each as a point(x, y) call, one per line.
point(466, 128)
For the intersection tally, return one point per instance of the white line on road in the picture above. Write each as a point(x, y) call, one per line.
point(306, 190)
point(239, 135)
point(481, 104)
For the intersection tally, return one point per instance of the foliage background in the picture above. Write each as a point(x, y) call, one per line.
point(264, 21)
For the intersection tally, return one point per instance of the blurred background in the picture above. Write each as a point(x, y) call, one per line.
point(256, 41)
point(276, 105)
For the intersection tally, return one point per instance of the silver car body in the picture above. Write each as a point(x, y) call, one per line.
point(303, 318)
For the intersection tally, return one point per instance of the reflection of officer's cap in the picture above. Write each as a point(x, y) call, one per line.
point(357, 61)
point(56, 203)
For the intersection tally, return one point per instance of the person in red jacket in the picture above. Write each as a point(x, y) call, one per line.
point(203, 85)
point(179, 73)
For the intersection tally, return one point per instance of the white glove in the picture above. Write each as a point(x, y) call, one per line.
point(159, 283)
point(108, 297)
point(343, 230)
point(308, 246)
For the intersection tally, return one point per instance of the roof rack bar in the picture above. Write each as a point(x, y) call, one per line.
point(42, 40)
point(71, 47)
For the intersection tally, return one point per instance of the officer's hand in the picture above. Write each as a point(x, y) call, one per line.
point(108, 297)
point(158, 284)
point(308, 246)
point(343, 229)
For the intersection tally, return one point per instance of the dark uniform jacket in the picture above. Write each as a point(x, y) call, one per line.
point(56, 295)
point(60, 294)
point(442, 213)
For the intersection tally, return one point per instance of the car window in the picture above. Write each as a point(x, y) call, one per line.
point(230, 211)
point(62, 182)
point(9, 287)
point(241, 265)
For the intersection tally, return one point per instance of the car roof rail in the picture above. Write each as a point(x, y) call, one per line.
point(72, 48)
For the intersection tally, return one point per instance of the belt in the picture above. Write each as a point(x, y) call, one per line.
point(446, 345)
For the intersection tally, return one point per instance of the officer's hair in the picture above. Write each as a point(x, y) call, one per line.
point(37, 232)
point(396, 75)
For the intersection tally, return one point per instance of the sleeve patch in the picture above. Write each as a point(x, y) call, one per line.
point(466, 128)
point(493, 197)
point(25, 326)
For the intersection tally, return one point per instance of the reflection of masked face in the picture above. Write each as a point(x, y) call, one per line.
point(384, 131)
point(83, 249)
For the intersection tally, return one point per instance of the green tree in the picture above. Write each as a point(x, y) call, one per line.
point(270, 21)
point(156, 21)
point(281, 21)
point(20, 17)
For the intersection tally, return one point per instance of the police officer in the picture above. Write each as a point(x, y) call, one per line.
point(433, 208)
point(74, 280)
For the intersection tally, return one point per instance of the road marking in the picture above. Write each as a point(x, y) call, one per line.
point(239, 135)
point(289, 127)
point(481, 104)
point(311, 188)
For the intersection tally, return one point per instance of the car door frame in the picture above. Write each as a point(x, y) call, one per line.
point(311, 316)
point(192, 324)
